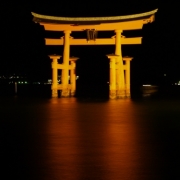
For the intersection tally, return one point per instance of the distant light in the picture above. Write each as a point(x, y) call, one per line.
point(21, 82)
point(146, 85)
point(108, 82)
point(25, 82)
point(164, 74)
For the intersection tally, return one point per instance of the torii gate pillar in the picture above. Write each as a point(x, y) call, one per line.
point(73, 75)
point(127, 75)
point(113, 76)
point(119, 66)
point(54, 66)
point(65, 72)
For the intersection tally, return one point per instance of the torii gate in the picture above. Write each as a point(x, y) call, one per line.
point(119, 73)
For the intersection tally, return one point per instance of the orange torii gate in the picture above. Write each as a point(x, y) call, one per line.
point(119, 72)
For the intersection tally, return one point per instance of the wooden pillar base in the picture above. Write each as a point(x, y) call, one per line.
point(73, 93)
point(54, 93)
point(112, 94)
point(121, 94)
point(128, 93)
point(65, 93)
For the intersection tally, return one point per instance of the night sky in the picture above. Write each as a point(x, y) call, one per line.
point(23, 49)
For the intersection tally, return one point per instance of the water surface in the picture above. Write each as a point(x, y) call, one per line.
point(54, 139)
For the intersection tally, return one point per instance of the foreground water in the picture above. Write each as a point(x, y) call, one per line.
point(54, 139)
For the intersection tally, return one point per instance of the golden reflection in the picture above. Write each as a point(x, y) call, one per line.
point(122, 151)
point(95, 140)
point(63, 136)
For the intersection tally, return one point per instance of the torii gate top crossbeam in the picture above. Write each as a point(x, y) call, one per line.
point(127, 22)
point(82, 20)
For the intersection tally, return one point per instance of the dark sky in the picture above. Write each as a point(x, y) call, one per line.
point(23, 49)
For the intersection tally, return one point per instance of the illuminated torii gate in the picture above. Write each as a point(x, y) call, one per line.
point(119, 72)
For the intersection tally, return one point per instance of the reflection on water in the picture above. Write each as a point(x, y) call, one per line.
point(70, 139)
point(148, 90)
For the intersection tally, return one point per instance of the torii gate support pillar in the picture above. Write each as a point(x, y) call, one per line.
point(54, 65)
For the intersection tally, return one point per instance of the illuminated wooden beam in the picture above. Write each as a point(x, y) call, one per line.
point(129, 25)
point(62, 66)
point(110, 19)
point(108, 41)
point(60, 86)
